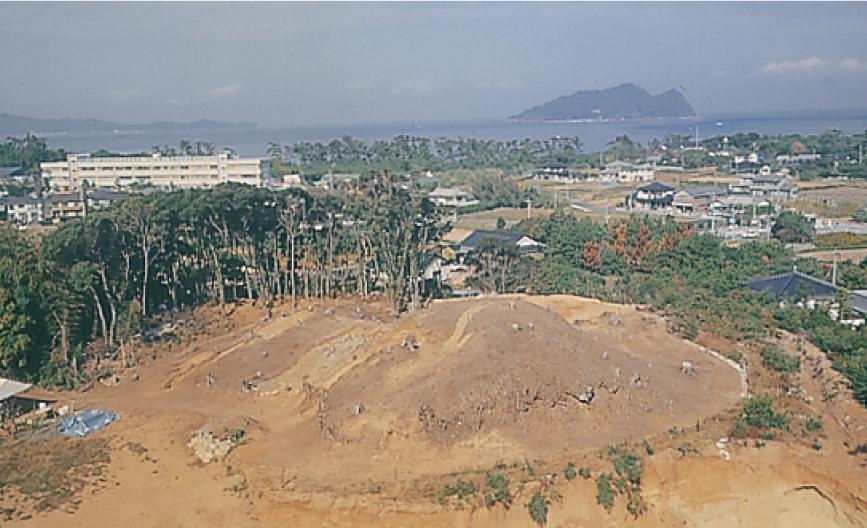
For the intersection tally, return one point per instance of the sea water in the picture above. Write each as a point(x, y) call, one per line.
point(254, 142)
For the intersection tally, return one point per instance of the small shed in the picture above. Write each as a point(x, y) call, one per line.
point(8, 390)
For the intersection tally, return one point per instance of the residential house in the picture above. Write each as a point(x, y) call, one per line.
point(525, 244)
point(797, 158)
point(12, 173)
point(745, 157)
point(63, 206)
point(773, 186)
point(452, 197)
point(553, 171)
point(697, 199)
point(101, 199)
point(337, 181)
point(21, 210)
point(719, 151)
point(798, 287)
point(749, 167)
point(620, 171)
point(741, 209)
point(654, 158)
point(438, 269)
point(654, 195)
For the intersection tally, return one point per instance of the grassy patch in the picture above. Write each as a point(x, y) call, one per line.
point(776, 360)
point(49, 474)
point(499, 490)
point(462, 489)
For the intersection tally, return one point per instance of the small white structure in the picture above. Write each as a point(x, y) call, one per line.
point(452, 197)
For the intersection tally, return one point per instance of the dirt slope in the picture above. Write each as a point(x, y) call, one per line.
point(352, 419)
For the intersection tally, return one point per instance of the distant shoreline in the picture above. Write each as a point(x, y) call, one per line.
point(601, 120)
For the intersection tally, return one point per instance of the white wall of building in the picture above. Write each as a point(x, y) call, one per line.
point(177, 172)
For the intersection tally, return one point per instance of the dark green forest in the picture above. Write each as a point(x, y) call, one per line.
point(71, 298)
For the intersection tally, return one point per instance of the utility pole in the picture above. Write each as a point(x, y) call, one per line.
point(606, 211)
point(834, 270)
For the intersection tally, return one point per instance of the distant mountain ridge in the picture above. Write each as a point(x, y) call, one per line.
point(626, 102)
point(12, 125)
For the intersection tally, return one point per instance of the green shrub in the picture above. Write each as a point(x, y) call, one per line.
point(626, 463)
point(740, 430)
point(56, 375)
point(786, 365)
point(605, 493)
point(538, 509)
point(499, 489)
point(636, 505)
point(759, 412)
point(569, 472)
point(687, 449)
point(647, 447)
point(815, 424)
point(461, 489)
point(584, 472)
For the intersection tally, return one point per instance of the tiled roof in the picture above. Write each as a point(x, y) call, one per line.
point(656, 187)
point(787, 285)
point(476, 236)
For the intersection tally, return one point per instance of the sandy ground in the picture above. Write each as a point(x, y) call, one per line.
point(852, 255)
point(352, 419)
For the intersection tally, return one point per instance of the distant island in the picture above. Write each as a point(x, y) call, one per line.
point(626, 102)
point(12, 125)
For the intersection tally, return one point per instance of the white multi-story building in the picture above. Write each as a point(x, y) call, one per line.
point(169, 172)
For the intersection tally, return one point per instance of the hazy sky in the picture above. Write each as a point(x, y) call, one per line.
point(290, 64)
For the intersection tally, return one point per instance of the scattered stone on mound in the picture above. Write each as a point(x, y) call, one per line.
point(207, 448)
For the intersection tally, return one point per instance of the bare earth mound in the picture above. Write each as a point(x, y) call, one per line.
point(336, 404)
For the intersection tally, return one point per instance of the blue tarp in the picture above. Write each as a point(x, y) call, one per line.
point(86, 422)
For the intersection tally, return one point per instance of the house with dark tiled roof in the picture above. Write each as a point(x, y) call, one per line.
point(102, 198)
point(63, 206)
point(798, 287)
point(11, 172)
point(697, 199)
point(553, 170)
point(654, 195)
point(793, 285)
point(525, 244)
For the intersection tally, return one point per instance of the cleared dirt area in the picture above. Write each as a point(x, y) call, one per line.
point(852, 255)
point(343, 416)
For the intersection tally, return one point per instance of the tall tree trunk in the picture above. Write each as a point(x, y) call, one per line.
point(247, 282)
point(98, 305)
point(221, 287)
point(292, 272)
point(113, 321)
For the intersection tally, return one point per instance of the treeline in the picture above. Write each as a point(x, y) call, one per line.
point(408, 153)
point(71, 300)
point(663, 264)
point(27, 152)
